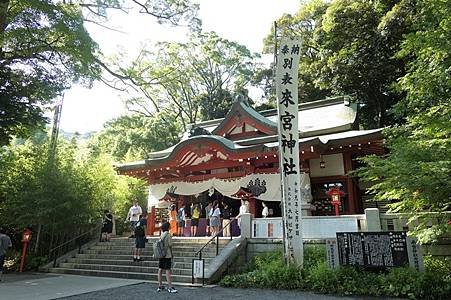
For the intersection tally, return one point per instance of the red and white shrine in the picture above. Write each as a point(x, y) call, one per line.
point(241, 151)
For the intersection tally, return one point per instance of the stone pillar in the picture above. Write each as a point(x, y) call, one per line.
point(373, 221)
point(246, 225)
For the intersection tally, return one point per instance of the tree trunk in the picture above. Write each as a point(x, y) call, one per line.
point(38, 236)
point(4, 5)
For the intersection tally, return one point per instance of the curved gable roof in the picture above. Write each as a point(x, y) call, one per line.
point(174, 154)
point(242, 108)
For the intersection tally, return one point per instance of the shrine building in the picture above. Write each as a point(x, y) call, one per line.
point(226, 159)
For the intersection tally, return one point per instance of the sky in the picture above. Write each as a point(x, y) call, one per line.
point(244, 21)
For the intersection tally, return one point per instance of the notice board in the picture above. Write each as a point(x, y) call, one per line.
point(374, 250)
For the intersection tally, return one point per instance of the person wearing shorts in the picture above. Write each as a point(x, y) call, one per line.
point(195, 215)
point(165, 263)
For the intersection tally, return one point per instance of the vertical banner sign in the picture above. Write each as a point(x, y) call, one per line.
point(287, 98)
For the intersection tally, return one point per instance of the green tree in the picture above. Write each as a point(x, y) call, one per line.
point(135, 137)
point(181, 77)
point(349, 48)
point(61, 198)
point(416, 171)
point(304, 25)
point(44, 48)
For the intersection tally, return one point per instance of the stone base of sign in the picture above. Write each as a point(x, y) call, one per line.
point(373, 221)
point(307, 209)
point(246, 225)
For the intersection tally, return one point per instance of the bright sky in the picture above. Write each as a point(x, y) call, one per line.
point(244, 21)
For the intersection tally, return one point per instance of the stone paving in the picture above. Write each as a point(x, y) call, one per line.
point(45, 286)
point(148, 291)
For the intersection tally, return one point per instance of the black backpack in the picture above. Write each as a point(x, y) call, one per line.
point(139, 230)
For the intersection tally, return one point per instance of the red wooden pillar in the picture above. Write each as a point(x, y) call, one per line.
point(252, 206)
point(351, 207)
point(151, 221)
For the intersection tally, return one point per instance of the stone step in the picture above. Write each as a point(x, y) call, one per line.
point(176, 244)
point(176, 248)
point(128, 275)
point(130, 257)
point(146, 252)
point(137, 268)
point(129, 262)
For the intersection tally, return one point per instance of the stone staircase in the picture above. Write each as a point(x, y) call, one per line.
point(114, 259)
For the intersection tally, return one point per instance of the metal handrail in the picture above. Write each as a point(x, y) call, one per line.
point(203, 247)
point(217, 241)
point(97, 228)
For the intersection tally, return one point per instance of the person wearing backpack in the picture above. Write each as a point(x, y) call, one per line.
point(140, 237)
point(165, 263)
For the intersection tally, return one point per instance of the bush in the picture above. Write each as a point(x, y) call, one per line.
point(269, 271)
point(266, 271)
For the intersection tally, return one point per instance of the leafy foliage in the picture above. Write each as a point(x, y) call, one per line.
point(346, 50)
point(135, 137)
point(269, 271)
point(62, 197)
point(43, 48)
point(416, 172)
point(195, 81)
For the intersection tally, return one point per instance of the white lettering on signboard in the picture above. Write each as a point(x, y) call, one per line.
point(332, 253)
point(198, 268)
point(287, 104)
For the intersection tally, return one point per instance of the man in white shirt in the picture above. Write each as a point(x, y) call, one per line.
point(265, 211)
point(133, 215)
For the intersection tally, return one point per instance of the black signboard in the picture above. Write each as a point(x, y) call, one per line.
point(375, 250)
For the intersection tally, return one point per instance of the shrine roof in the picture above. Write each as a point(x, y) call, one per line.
point(160, 157)
point(316, 117)
point(348, 137)
point(257, 144)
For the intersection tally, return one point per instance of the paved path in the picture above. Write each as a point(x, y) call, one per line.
point(148, 291)
point(43, 286)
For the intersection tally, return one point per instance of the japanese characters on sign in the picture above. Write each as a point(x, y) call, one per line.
point(378, 250)
point(287, 95)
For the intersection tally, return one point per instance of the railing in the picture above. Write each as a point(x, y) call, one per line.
point(74, 243)
point(216, 236)
point(313, 227)
point(211, 240)
point(400, 221)
point(321, 227)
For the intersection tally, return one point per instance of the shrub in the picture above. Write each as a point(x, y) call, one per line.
point(269, 271)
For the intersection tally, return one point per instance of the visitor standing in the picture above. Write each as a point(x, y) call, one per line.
point(207, 217)
point(107, 226)
point(165, 263)
point(5, 243)
point(195, 215)
point(133, 215)
point(181, 220)
point(215, 213)
point(173, 218)
point(140, 237)
point(243, 210)
point(226, 214)
point(265, 211)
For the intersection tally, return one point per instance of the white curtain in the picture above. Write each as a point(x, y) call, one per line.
point(268, 184)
